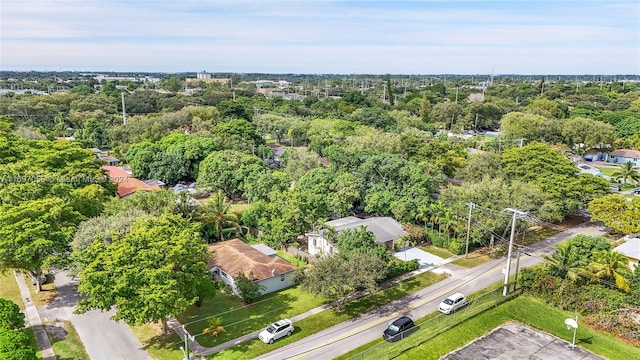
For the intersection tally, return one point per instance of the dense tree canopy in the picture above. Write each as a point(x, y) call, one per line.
point(153, 272)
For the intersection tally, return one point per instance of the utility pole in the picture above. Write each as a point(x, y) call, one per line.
point(124, 112)
point(505, 291)
point(521, 142)
point(187, 337)
point(466, 253)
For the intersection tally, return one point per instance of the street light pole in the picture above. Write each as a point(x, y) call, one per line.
point(505, 291)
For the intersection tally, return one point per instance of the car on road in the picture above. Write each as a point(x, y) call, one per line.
point(636, 191)
point(275, 331)
point(398, 329)
point(452, 303)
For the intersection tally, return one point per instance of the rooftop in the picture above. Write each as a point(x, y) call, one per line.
point(234, 256)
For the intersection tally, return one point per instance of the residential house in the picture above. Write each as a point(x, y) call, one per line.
point(385, 229)
point(127, 184)
point(623, 156)
point(631, 249)
point(259, 262)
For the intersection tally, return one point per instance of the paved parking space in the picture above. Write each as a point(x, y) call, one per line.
point(516, 341)
point(424, 258)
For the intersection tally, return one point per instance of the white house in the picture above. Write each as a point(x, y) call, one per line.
point(385, 229)
point(630, 249)
point(266, 268)
point(623, 156)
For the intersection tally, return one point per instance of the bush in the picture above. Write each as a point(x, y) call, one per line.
point(249, 291)
point(417, 233)
point(436, 239)
point(401, 268)
point(457, 246)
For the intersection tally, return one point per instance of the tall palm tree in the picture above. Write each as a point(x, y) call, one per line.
point(217, 215)
point(611, 266)
point(626, 171)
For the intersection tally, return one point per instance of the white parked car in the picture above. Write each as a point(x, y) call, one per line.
point(452, 303)
point(276, 330)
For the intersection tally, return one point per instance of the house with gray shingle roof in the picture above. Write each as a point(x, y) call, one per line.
point(385, 229)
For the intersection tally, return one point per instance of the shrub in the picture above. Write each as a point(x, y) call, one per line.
point(401, 268)
point(249, 291)
point(457, 246)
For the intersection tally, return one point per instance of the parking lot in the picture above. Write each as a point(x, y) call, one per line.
point(517, 341)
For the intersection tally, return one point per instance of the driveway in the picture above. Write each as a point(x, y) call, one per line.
point(103, 338)
point(424, 258)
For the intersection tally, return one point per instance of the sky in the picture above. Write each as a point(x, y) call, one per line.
point(322, 37)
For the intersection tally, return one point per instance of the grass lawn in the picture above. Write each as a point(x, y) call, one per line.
point(608, 171)
point(32, 340)
point(328, 318)
point(47, 294)
point(239, 320)
point(292, 259)
point(475, 258)
point(165, 347)
point(534, 236)
point(9, 289)
point(239, 208)
point(439, 252)
point(69, 347)
point(520, 309)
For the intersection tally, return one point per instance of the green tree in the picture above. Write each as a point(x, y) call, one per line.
point(10, 316)
point(531, 127)
point(625, 172)
point(228, 170)
point(584, 134)
point(35, 234)
point(15, 345)
point(248, 290)
point(358, 274)
point(617, 213)
point(218, 220)
point(150, 274)
point(611, 266)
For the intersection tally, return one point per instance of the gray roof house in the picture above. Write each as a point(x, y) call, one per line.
point(631, 249)
point(385, 229)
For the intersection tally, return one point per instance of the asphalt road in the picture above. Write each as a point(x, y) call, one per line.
point(341, 338)
point(103, 338)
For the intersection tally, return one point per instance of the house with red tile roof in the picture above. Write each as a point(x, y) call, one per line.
point(259, 263)
point(127, 184)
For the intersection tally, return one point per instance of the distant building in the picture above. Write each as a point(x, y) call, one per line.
point(127, 184)
point(631, 249)
point(206, 77)
point(623, 156)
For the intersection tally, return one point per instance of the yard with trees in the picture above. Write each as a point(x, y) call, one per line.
point(347, 151)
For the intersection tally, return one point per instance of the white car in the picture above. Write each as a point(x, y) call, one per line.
point(276, 330)
point(452, 303)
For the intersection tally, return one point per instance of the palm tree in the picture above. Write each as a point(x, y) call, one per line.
point(626, 171)
point(611, 266)
point(568, 266)
point(217, 215)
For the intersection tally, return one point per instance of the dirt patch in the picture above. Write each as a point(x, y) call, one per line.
point(516, 341)
point(56, 332)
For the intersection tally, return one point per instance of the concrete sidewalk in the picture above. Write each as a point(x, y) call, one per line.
point(33, 318)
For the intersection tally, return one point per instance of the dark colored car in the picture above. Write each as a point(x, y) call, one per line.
point(397, 329)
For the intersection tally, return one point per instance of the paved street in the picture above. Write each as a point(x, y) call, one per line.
point(348, 335)
point(103, 338)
